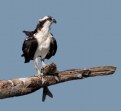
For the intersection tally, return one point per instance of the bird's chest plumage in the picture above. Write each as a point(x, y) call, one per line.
point(43, 40)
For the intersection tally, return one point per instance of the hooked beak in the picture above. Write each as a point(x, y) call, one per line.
point(54, 21)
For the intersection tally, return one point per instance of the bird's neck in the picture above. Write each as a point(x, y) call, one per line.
point(46, 27)
point(43, 32)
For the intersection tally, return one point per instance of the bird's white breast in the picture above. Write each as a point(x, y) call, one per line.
point(43, 44)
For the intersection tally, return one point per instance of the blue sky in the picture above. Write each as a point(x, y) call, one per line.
point(88, 33)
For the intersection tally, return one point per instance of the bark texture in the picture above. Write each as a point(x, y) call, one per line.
point(23, 86)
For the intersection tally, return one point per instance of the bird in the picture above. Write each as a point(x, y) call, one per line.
point(40, 43)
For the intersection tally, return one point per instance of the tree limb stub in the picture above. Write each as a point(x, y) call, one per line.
point(23, 86)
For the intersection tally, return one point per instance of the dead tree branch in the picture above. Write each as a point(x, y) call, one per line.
point(23, 86)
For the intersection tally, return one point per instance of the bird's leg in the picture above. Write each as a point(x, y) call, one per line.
point(43, 65)
point(37, 67)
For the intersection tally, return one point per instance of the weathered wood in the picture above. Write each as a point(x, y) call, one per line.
point(23, 86)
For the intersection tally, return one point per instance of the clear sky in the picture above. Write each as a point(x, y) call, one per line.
point(88, 34)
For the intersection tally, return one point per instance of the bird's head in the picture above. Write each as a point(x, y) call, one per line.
point(48, 19)
point(45, 23)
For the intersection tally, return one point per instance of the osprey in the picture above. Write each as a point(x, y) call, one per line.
point(40, 43)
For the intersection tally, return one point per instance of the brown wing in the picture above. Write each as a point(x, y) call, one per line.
point(29, 48)
point(31, 33)
point(53, 48)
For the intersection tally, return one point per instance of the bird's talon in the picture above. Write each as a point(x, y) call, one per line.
point(39, 74)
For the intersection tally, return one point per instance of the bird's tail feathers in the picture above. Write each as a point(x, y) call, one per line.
point(46, 92)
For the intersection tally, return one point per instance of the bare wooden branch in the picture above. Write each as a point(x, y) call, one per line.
point(23, 86)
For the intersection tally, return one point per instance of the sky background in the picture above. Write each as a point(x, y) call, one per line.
point(88, 33)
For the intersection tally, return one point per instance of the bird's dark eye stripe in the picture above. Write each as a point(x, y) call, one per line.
point(50, 19)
